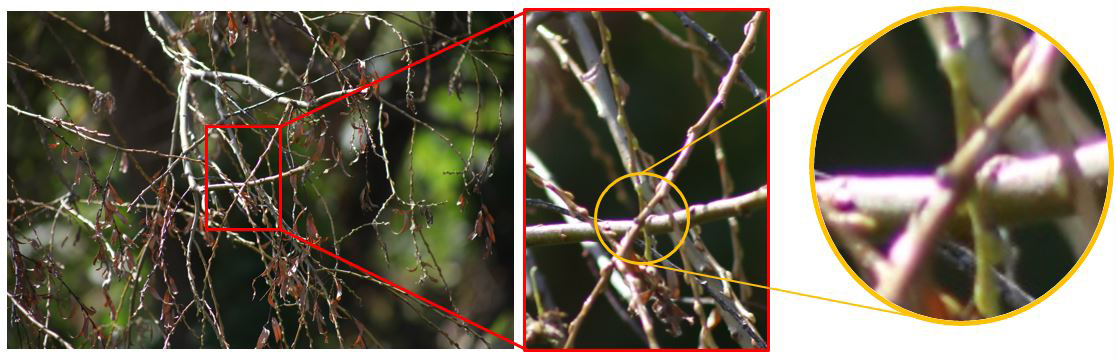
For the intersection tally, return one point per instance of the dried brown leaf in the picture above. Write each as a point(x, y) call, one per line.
point(263, 338)
point(276, 329)
point(231, 29)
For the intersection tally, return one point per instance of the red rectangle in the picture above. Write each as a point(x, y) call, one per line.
point(279, 178)
point(525, 272)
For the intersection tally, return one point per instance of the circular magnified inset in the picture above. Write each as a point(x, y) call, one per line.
point(961, 165)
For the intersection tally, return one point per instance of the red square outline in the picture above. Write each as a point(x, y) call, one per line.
point(206, 176)
point(524, 217)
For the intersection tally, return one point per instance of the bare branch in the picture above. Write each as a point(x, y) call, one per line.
point(90, 135)
point(1020, 190)
point(37, 324)
point(555, 234)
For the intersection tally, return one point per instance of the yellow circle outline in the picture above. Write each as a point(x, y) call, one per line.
point(687, 218)
point(813, 148)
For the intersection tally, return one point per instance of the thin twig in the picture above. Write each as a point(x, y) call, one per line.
point(756, 92)
point(37, 324)
point(88, 134)
point(117, 49)
point(271, 178)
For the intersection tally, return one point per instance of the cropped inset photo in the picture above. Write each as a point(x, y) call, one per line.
point(259, 180)
point(961, 164)
point(611, 97)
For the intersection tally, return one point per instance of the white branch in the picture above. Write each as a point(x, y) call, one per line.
point(1019, 190)
point(554, 234)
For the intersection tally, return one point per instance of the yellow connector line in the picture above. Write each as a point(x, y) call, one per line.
point(763, 101)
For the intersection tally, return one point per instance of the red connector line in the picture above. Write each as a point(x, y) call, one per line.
point(405, 290)
point(340, 98)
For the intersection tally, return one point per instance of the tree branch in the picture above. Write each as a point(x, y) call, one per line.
point(1019, 190)
point(91, 135)
point(255, 84)
point(271, 178)
point(36, 323)
point(750, 30)
point(555, 234)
